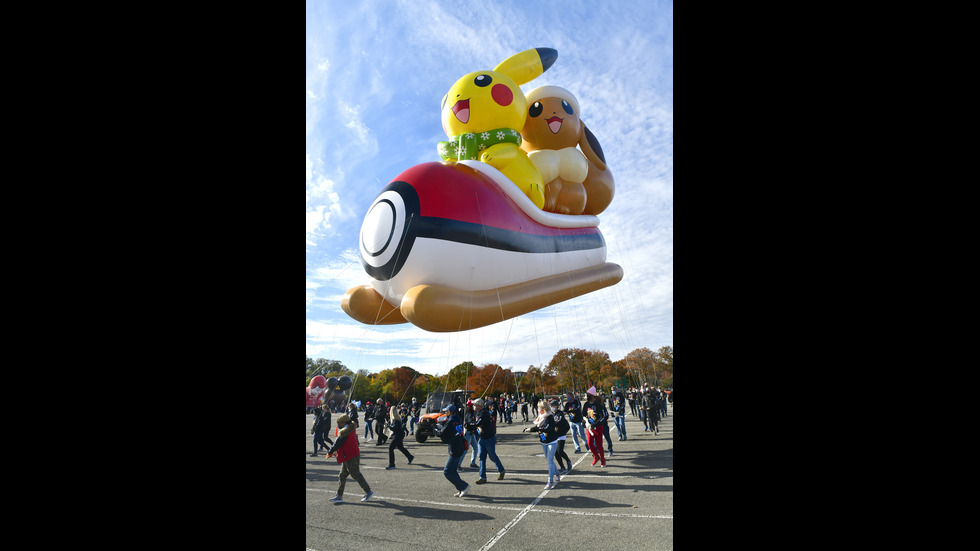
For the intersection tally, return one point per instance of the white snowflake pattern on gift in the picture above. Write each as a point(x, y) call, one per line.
point(500, 135)
point(485, 136)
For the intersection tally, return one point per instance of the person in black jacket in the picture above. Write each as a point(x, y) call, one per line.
point(573, 409)
point(368, 420)
point(321, 429)
point(397, 436)
point(472, 438)
point(380, 420)
point(546, 427)
point(562, 426)
point(605, 425)
point(488, 442)
point(451, 432)
point(618, 410)
point(413, 411)
point(595, 415)
point(652, 405)
point(352, 414)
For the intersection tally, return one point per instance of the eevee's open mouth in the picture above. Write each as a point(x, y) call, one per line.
point(462, 110)
point(554, 123)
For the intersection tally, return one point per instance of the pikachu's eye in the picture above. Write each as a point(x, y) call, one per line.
point(482, 80)
point(535, 109)
point(568, 108)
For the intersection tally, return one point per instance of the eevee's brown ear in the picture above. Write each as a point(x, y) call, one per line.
point(590, 146)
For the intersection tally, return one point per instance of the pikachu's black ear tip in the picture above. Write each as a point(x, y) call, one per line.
point(548, 57)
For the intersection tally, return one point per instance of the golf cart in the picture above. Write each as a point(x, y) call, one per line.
point(433, 411)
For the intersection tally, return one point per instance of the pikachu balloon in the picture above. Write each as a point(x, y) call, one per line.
point(483, 114)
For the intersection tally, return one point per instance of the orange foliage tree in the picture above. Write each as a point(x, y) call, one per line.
point(491, 380)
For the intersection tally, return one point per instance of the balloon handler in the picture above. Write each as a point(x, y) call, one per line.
point(348, 455)
point(595, 414)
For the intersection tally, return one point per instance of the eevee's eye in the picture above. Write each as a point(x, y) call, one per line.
point(535, 109)
point(482, 80)
point(568, 108)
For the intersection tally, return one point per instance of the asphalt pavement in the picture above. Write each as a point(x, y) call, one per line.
point(627, 503)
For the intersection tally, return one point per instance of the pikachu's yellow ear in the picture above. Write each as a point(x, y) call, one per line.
point(527, 65)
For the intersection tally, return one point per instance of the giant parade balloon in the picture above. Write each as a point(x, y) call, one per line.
point(315, 390)
point(321, 390)
point(466, 242)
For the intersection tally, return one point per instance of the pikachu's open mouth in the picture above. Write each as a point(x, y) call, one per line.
point(462, 110)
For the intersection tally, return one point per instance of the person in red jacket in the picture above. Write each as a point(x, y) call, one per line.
point(348, 455)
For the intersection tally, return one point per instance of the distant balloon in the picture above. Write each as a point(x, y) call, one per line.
point(315, 391)
point(344, 383)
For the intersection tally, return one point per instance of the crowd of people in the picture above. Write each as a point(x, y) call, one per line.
point(474, 430)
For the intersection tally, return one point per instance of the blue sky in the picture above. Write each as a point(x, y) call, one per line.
point(376, 72)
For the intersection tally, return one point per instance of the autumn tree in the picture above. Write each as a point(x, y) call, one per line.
point(401, 379)
point(489, 379)
point(531, 381)
point(639, 364)
point(610, 373)
point(664, 365)
point(649, 367)
point(568, 367)
point(508, 381)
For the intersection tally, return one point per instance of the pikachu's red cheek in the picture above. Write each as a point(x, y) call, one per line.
point(502, 94)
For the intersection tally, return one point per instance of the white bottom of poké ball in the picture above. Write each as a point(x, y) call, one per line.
point(382, 229)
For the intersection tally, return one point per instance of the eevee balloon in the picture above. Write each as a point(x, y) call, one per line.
point(483, 114)
point(576, 181)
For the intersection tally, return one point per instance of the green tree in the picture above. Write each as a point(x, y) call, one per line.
point(457, 376)
point(325, 367)
point(364, 388)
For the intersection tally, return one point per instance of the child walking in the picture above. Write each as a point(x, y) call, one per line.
point(348, 455)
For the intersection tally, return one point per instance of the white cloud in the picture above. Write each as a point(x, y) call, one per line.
point(353, 121)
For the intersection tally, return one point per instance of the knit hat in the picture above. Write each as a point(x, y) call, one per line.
point(343, 420)
point(591, 390)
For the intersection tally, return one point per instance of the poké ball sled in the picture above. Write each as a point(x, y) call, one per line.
point(451, 246)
